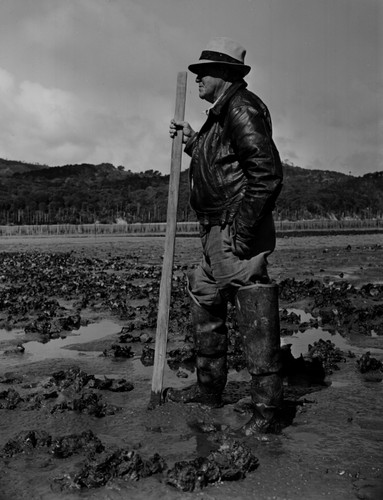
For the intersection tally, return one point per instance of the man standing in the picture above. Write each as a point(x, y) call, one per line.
point(235, 179)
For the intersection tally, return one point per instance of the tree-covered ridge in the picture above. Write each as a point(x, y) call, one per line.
point(85, 193)
point(324, 193)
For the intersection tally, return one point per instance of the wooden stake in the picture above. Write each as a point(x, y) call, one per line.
point(167, 265)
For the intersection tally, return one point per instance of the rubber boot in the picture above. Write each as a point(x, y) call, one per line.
point(258, 322)
point(210, 340)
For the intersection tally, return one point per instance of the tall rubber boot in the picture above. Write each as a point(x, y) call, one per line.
point(210, 340)
point(258, 322)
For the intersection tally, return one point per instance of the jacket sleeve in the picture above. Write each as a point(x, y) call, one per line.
point(251, 136)
point(189, 146)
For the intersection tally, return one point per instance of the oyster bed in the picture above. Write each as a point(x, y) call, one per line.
point(77, 328)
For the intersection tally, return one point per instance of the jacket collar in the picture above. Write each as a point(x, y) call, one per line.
point(225, 98)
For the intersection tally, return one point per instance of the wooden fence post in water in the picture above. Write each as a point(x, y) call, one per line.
point(167, 266)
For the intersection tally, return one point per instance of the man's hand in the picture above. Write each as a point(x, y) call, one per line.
point(179, 125)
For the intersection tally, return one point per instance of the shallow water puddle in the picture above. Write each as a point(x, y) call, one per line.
point(10, 334)
point(300, 341)
point(55, 348)
point(60, 348)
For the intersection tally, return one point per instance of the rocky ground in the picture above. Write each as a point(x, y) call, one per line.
point(74, 421)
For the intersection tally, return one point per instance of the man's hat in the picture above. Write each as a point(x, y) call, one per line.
point(223, 52)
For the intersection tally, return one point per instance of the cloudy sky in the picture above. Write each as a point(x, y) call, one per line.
point(94, 80)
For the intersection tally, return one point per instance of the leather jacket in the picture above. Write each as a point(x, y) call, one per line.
point(235, 170)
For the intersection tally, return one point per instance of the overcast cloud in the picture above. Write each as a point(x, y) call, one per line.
point(94, 80)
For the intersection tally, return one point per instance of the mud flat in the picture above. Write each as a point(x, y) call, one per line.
point(77, 323)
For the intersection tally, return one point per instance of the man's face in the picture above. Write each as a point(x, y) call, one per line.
point(210, 83)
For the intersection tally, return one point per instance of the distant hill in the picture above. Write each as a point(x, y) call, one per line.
point(10, 167)
point(85, 193)
point(324, 193)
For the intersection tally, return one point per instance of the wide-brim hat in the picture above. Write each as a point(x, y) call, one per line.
point(222, 51)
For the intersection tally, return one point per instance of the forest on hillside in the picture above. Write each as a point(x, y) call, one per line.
point(86, 193)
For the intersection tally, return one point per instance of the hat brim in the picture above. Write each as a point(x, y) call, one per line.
point(242, 69)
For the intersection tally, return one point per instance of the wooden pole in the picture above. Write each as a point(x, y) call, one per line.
point(167, 265)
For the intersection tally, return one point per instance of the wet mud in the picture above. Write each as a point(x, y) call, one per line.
point(77, 330)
